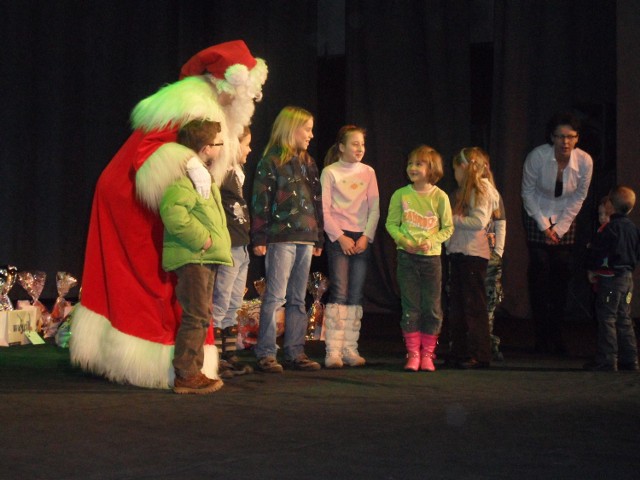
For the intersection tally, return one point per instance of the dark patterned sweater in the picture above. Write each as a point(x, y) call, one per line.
point(287, 201)
point(235, 207)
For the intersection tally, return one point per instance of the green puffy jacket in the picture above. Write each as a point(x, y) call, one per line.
point(189, 220)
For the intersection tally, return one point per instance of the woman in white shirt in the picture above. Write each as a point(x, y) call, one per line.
point(555, 182)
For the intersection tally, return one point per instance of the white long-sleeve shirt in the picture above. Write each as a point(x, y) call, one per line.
point(350, 199)
point(469, 231)
point(539, 184)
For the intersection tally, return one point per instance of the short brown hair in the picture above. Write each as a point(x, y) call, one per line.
point(432, 158)
point(623, 199)
point(198, 133)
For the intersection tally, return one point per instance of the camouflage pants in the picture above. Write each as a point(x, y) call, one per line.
point(493, 287)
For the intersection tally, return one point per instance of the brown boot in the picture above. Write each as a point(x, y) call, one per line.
point(198, 384)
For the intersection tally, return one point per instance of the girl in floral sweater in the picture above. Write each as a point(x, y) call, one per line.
point(286, 228)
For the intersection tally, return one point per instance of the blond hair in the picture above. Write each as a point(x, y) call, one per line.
point(476, 161)
point(283, 132)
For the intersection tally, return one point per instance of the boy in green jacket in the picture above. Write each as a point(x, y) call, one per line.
point(196, 241)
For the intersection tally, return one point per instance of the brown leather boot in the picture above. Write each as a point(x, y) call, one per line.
point(198, 384)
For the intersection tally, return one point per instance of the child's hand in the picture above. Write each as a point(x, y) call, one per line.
point(207, 244)
point(425, 247)
point(347, 245)
point(410, 246)
point(361, 244)
point(260, 250)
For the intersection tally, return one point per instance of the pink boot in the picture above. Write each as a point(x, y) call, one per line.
point(412, 343)
point(429, 343)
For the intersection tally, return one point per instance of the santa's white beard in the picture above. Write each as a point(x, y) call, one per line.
point(240, 111)
point(237, 116)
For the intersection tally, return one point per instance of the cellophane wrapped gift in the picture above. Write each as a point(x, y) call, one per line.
point(248, 318)
point(33, 283)
point(317, 286)
point(8, 275)
point(63, 333)
point(61, 309)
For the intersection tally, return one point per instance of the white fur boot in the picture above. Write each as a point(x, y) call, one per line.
point(333, 325)
point(350, 353)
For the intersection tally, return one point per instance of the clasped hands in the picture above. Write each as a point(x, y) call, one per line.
point(353, 247)
point(413, 247)
point(551, 236)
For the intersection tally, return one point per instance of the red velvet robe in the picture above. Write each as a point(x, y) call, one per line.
point(125, 325)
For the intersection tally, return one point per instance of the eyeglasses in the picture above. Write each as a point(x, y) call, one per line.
point(215, 144)
point(565, 137)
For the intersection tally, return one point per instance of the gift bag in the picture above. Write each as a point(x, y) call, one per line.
point(33, 283)
point(14, 324)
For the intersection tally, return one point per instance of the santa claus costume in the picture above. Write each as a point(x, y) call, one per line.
point(125, 324)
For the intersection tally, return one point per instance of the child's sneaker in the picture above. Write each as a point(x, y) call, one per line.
point(225, 369)
point(269, 365)
point(302, 362)
point(233, 363)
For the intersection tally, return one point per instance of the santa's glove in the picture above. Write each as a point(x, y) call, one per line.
point(200, 176)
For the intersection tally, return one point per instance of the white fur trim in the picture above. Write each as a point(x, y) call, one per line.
point(163, 167)
point(177, 104)
point(96, 347)
point(237, 74)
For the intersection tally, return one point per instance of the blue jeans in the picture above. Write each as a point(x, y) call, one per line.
point(420, 282)
point(616, 335)
point(346, 272)
point(287, 274)
point(229, 289)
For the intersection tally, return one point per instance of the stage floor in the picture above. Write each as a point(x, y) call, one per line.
point(529, 417)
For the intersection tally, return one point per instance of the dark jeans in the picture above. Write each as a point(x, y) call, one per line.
point(194, 292)
point(550, 270)
point(468, 315)
point(346, 272)
point(420, 281)
point(616, 336)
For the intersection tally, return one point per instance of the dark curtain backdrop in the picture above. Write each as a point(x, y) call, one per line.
point(417, 74)
point(408, 84)
point(551, 55)
point(71, 72)
point(628, 109)
point(413, 72)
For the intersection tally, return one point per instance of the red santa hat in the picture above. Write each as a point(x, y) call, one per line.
point(218, 58)
point(230, 62)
